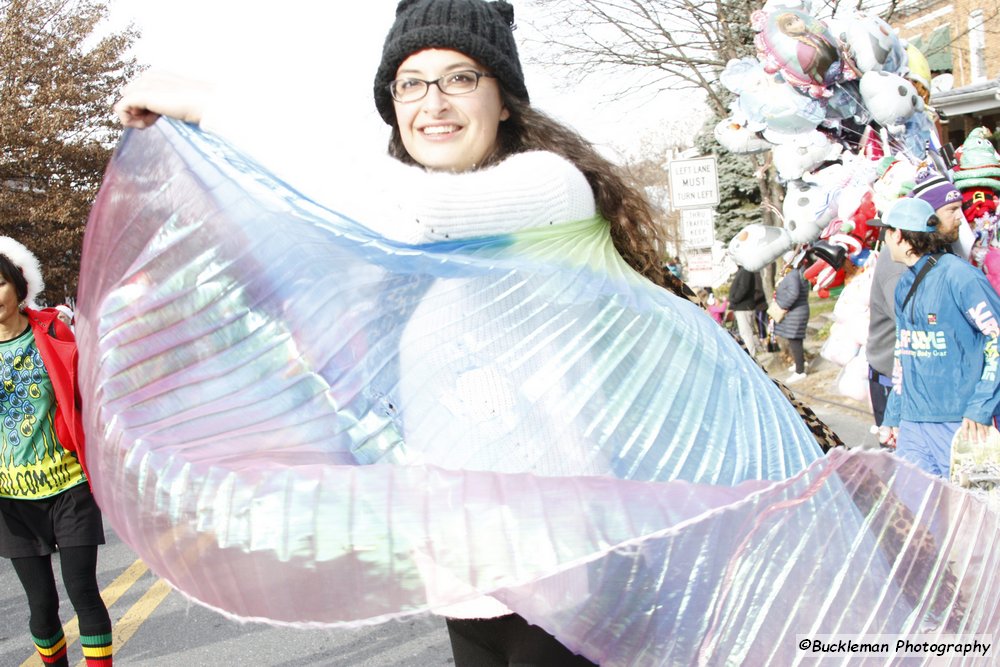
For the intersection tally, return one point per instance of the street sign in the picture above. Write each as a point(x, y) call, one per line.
point(694, 183)
point(700, 270)
point(711, 267)
point(698, 228)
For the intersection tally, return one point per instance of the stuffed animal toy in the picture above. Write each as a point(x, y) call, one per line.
point(803, 153)
point(890, 99)
point(807, 209)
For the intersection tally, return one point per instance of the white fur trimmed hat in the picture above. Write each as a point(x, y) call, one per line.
point(23, 259)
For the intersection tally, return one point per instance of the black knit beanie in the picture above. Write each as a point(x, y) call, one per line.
point(479, 29)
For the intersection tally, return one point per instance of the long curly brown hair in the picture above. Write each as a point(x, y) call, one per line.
point(633, 230)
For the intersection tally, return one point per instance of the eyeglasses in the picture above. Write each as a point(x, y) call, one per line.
point(455, 83)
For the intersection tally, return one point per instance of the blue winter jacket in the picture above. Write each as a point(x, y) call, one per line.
point(946, 364)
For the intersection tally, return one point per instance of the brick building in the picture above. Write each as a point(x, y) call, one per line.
point(961, 39)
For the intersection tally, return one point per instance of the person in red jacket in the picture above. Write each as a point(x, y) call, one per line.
point(45, 499)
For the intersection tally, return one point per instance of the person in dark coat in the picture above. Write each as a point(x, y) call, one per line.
point(746, 297)
point(792, 295)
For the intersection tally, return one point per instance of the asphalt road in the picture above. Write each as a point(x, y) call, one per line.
point(156, 626)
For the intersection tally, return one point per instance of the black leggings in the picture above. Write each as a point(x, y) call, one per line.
point(79, 573)
point(798, 354)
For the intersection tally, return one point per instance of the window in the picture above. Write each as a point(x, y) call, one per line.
point(977, 44)
point(938, 49)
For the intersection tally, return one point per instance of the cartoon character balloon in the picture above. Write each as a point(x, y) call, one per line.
point(756, 246)
point(800, 47)
point(890, 98)
point(872, 45)
point(736, 137)
point(767, 103)
point(807, 209)
point(895, 178)
point(919, 72)
point(804, 153)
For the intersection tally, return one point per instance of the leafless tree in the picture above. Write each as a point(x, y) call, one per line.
point(662, 45)
point(659, 47)
point(654, 48)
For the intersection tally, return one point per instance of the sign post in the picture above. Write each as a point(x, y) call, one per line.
point(694, 191)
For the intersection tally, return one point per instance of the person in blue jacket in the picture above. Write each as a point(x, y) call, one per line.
point(945, 375)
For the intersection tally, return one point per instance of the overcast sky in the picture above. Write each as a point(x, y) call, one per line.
point(331, 50)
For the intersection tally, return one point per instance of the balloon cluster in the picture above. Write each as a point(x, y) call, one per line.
point(837, 103)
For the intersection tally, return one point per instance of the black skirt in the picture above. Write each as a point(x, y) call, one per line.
point(38, 527)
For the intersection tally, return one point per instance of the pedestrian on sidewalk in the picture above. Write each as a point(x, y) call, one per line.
point(746, 299)
point(45, 499)
point(881, 341)
point(946, 201)
point(792, 296)
point(945, 376)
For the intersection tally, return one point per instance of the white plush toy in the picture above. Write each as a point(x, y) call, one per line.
point(807, 209)
point(757, 245)
point(890, 98)
point(803, 153)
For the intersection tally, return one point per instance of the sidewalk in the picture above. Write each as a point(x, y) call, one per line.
point(849, 418)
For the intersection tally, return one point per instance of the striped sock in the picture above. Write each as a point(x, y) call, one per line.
point(97, 649)
point(52, 650)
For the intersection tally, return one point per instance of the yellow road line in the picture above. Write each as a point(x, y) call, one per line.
point(110, 595)
point(138, 614)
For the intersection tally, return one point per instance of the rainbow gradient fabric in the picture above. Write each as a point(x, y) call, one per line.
point(293, 420)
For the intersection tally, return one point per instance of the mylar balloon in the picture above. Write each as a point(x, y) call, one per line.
point(736, 137)
point(767, 102)
point(896, 177)
point(800, 47)
point(845, 102)
point(919, 71)
point(756, 246)
point(872, 45)
point(916, 135)
point(807, 208)
point(890, 98)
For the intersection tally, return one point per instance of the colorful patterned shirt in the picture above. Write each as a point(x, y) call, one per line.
point(33, 464)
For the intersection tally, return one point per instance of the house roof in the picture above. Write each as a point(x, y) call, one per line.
point(973, 98)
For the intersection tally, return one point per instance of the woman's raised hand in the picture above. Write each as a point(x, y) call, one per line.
point(155, 94)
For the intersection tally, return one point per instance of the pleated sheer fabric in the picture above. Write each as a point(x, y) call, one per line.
point(293, 420)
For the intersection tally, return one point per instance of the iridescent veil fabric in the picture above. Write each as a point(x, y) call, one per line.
point(293, 420)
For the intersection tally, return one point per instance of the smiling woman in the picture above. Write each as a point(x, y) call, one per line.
point(448, 122)
point(467, 396)
point(451, 86)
